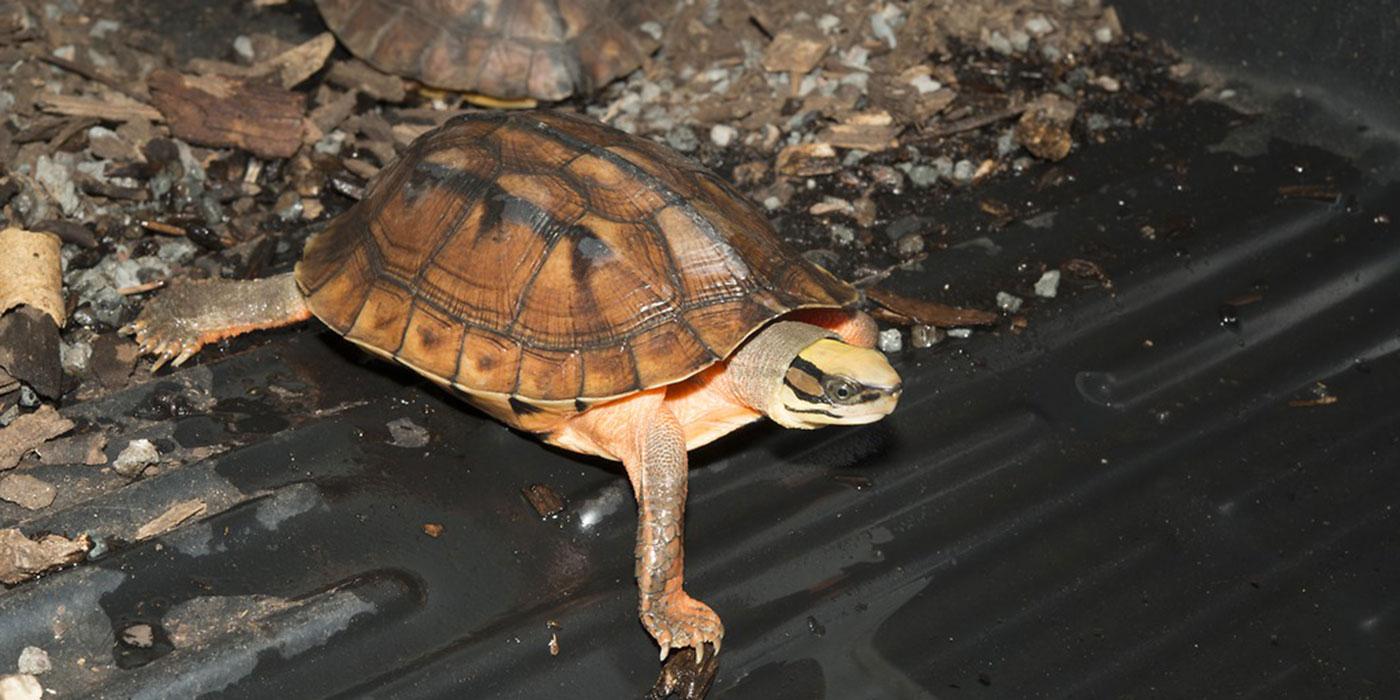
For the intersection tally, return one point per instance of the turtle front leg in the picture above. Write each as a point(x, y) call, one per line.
point(658, 471)
point(190, 313)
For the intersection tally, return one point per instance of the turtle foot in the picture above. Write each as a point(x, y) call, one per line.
point(189, 314)
point(679, 621)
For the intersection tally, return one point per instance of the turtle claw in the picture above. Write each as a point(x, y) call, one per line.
point(679, 621)
point(165, 342)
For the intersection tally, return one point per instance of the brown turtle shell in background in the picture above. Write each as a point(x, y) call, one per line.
point(542, 262)
point(545, 49)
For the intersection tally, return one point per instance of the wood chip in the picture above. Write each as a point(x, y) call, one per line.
point(22, 558)
point(433, 530)
point(795, 52)
point(171, 518)
point(210, 110)
point(808, 159)
point(31, 272)
point(29, 431)
point(359, 76)
point(910, 311)
point(27, 491)
point(299, 62)
point(869, 131)
point(114, 110)
point(544, 499)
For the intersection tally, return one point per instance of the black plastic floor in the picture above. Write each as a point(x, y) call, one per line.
point(1120, 501)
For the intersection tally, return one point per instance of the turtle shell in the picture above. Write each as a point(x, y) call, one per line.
point(542, 262)
point(546, 49)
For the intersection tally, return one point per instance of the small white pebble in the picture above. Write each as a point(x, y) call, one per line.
point(34, 661)
point(1108, 83)
point(723, 134)
point(891, 341)
point(772, 203)
point(1103, 35)
point(67, 52)
point(243, 46)
point(1039, 25)
point(925, 84)
point(828, 23)
point(1048, 285)
point(959, 332)
point(1010, 303)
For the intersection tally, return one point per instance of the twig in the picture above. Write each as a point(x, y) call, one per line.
point(971, 123)
point(161, 227)
point(93, 74)
point(141, 288)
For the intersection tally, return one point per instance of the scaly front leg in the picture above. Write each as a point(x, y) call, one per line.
point(658, 474)
point(182, 318)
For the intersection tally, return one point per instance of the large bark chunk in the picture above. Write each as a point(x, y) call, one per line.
point(212, 110)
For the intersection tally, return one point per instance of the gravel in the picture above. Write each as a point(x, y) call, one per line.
point(1048, 285)
point(891, 341)
point(136, 457)
point(1010, 303)
point(723, 134)
point(34, 661)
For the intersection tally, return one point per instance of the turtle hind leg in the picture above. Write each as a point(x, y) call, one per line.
point(190, 313)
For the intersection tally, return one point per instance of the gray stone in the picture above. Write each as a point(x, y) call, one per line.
point(891, 341)
point(1048, 285)
point(34, 661)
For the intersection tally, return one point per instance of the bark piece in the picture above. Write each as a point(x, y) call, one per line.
point(30, 431)
point(29, 350)
point(30, 272)
point(27, 491)
point(22, 558)
point(212, 110)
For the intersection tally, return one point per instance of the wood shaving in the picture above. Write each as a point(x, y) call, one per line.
point(172, 518)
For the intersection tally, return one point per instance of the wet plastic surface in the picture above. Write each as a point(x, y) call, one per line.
point(1146, 492)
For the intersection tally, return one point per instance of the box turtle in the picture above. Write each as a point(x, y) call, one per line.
point(589, 287)
point(508, 49)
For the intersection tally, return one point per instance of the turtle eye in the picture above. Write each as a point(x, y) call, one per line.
point(840, 390)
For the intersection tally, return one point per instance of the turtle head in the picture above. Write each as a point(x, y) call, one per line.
point(802, 376)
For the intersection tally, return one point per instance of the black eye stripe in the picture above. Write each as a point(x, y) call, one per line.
point(809, 398)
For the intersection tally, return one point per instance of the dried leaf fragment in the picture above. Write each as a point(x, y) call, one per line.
point(22, 558)
point(910, 311)
point(27, 491)
point(31, 273)
point(171, 518)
